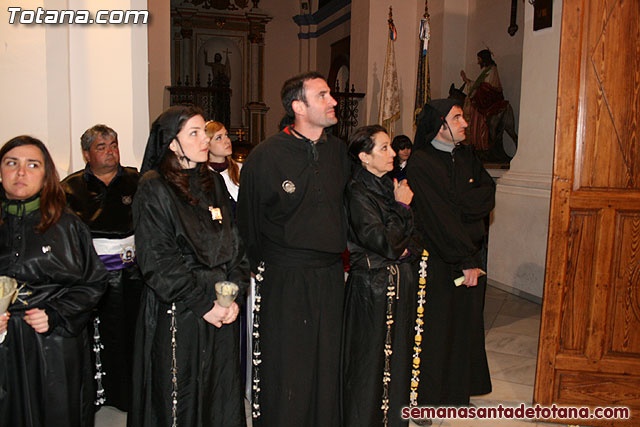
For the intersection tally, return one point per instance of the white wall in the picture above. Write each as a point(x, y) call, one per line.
point(23, 84)
point(281, 56)
point(59, 80)
point(518, 234)
point(159, 42)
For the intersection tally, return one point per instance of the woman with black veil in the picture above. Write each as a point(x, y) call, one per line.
point(186, 369)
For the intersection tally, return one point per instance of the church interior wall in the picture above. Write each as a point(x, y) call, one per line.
point(518, 234)
point(59, 80)
point(23, 82)
point(455, 23)
point(359, 52)
point(281, 55)
point(371, 50)
point(324, 42)
point(436, 46)
point(159, 45)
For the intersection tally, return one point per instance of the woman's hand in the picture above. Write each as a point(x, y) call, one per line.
point(402, 191)
point(4, 321)
point(37, 319)
point(220, 315)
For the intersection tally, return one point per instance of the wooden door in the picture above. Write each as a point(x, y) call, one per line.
point(589, 352)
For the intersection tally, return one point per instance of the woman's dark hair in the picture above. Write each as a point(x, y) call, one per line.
point(52, 198)
point(401, 142)
point(485, 58)
point(361, 141)
point(171, 169)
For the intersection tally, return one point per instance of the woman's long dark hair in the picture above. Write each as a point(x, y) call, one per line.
point(173, 173)
point(52, 198)
point(400, 142)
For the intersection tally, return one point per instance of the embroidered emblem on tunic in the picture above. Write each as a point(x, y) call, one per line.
point(216, 214)
point(46, 249)
point(126, 200)
point(288, 186)
point(128, 254)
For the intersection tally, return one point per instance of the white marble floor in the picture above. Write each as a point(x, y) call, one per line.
point(512, 326)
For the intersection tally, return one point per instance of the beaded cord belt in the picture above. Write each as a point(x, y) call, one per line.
point(256, 353)
point(174, 366)
point(394, 278)
point(101, 397)
point(419, 328)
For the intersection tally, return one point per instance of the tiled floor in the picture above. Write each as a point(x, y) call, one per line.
point(512, 325)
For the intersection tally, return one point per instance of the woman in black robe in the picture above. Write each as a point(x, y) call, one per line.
point(381, 289)
point(45, 370)
point(186, 353)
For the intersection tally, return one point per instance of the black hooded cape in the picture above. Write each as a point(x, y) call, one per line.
point(453, 194)
point(182, 252)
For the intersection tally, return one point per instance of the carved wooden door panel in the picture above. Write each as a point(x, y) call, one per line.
point(589, 351)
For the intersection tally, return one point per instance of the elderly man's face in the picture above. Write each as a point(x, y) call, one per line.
point(103, 155)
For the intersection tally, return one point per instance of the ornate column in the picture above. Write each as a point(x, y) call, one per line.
point(177, 58)
point(256, 108)
point(187, 54)
point(184, 49)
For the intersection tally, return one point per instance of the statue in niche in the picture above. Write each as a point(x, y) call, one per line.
point(220, 73)
point(488, 113)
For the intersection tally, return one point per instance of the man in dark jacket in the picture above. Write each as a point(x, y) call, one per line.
point(291, 217)
point(101, 195)
point(453, 194)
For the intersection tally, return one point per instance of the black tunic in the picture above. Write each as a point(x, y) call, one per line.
point(182, 253)
point(46, 379)
point(453, 194)
point(380, 230)
point(106, 209)
point(291, 216)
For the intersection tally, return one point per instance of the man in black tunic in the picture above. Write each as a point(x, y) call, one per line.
point(101, 195)
point(291, 217)
point(453, 194)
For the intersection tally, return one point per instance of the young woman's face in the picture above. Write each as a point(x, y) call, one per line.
point(194, 143)
point(380, 160)
point(220, 146)
point(22, 170)
point(404, 154)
